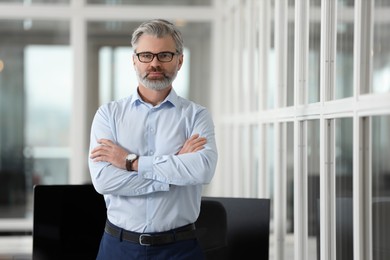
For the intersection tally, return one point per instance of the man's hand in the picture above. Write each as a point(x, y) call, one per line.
point(116, 155)
point(109, 152)
point(193, 144)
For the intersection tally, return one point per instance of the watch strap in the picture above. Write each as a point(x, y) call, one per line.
point(129, 164)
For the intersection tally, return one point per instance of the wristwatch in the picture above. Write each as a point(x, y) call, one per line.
point(130, 158)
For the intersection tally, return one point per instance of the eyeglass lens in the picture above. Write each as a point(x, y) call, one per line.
point(161, 56)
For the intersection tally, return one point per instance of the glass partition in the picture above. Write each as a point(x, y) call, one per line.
point(380, 207)
point(381, 50)
point(35, 110)
point(313, 92)
point(270, 165)
point(271, 62)
point(343, 86)
point(290, 202)
point(57, 2)
point(313, 187)
point(255, 158)
point(344, 188)
point(152, 2)
point(290, 55)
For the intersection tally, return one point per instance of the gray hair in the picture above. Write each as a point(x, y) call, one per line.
point(159, 28)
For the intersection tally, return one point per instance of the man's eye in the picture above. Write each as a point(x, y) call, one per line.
point(146, 55)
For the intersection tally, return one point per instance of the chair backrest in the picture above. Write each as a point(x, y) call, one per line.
point(68, 222)
point(211, 227)
point(248, 222)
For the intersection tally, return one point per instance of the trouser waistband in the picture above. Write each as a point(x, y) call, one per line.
point(152, 239)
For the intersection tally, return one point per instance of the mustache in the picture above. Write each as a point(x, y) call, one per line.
point(155, 69)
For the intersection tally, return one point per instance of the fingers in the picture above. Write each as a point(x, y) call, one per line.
point(101, 149)
point(193, 137)
point(197, 144)
point(108, 151)
point(193, 144)
point(105, 142)
point(98, 153)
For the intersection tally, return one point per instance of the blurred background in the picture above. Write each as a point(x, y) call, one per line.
point(299, 92)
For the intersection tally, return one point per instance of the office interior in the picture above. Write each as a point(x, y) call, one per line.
point(299, 91)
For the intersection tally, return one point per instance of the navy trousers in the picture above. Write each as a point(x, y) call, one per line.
point(113, 248)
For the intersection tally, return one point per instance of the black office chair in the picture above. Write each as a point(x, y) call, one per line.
point(69, 222)
point(248, 222)
point(211, 227)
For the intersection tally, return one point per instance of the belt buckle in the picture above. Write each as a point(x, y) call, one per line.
point(141, 237)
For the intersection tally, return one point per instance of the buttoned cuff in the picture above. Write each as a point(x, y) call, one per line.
point(145, 165)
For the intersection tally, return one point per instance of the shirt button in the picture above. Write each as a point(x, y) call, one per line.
point(151, 130)
point(151, 152)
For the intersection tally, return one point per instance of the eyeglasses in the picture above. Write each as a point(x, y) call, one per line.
point(147, 57)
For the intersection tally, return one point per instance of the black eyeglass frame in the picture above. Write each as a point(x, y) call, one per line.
point(156, 55)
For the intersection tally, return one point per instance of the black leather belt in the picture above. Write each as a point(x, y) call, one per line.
point(152, 239)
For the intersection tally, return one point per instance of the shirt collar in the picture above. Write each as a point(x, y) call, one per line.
point(172, 99)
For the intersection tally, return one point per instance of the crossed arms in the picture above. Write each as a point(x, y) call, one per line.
point(114, 154)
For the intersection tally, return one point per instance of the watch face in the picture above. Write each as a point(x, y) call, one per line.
point(131, 157)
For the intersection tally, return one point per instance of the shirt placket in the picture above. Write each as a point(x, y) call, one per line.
point(151, 128)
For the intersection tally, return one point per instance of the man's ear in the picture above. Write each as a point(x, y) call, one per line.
point(181, 58)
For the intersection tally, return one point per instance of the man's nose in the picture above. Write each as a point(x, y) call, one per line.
point(155, 62)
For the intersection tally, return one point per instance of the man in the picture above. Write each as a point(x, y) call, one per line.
point(150, 155)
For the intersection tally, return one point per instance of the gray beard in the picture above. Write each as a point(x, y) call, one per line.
point(156, 84)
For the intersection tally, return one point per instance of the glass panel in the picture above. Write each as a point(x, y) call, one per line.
point(35, 109)
point(382, 3)
point(291, 3)
point(269, 137)
point(289, 252)
point(344, 49)
point(256, 60)
point(243, 156)
point(255, 160)
point(26, 2)
point(381, 51)
point(111, 72)
point(380, 187)
point(228, 64)
point(344, 188)
point(152, 2)
point(316, 3)
point(290, 54)
point(271, 86)
point(314, 52)
point(313, 188)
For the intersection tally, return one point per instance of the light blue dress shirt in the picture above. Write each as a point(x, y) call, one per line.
point(166, 191)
